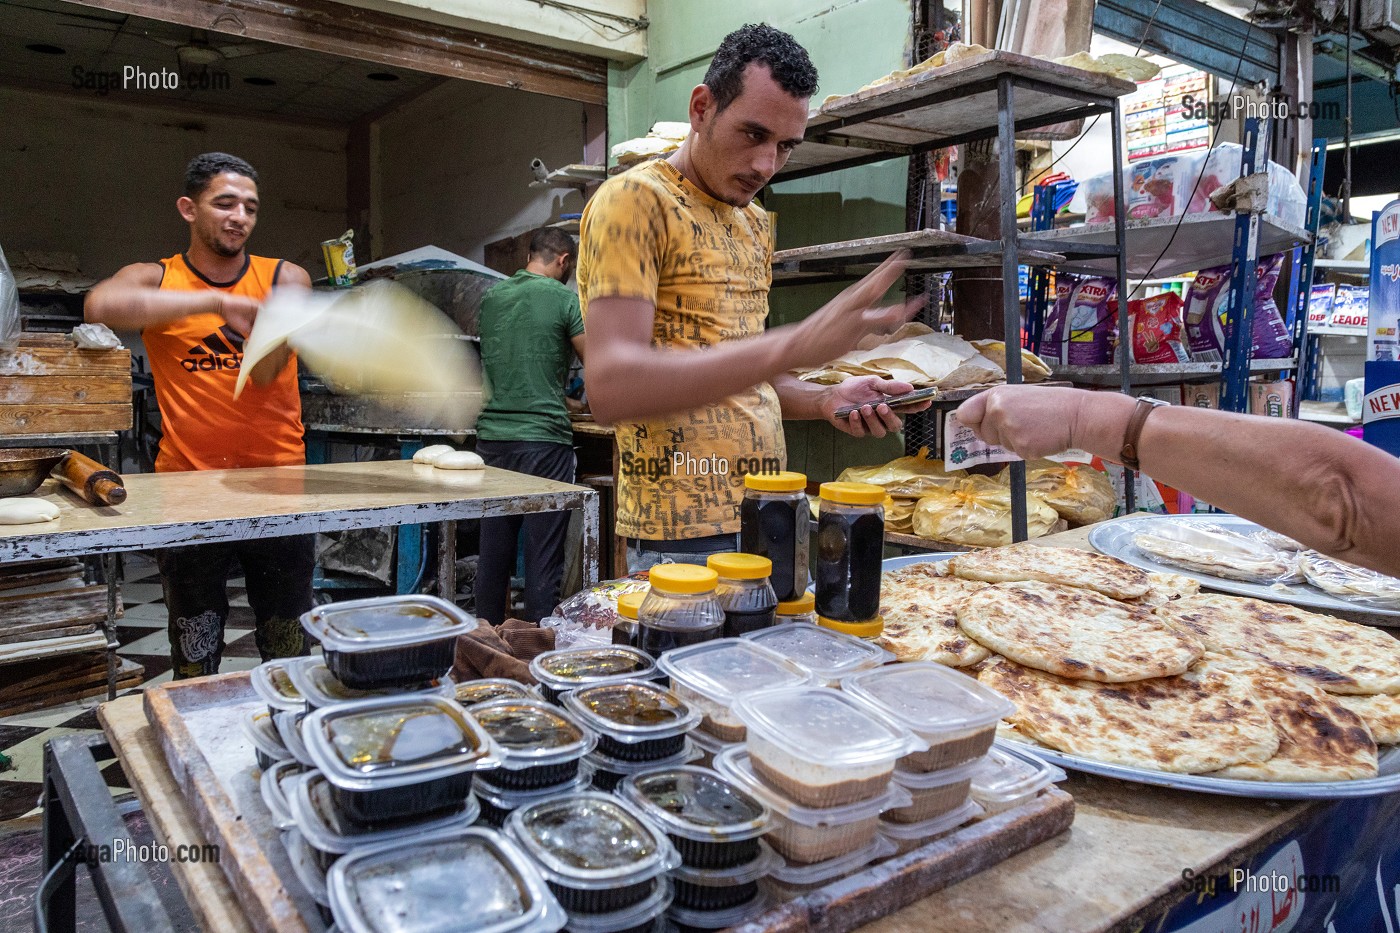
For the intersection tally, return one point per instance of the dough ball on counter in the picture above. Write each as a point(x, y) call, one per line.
point(26, 511)
point(459, 460)
point(431, 454)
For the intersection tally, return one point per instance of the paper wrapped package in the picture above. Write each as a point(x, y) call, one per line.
point(976, 512)
point(925, 359)
point(1081, 495)
point(905, 477)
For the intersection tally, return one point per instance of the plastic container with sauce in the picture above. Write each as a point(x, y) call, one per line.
point(795, 879)
point(274, 786)
point(571, 668)
point(713, 822)
point(909, 836)
point(273, 683)
point(625, 629)
point(306, 866)
point(498, 803)
point(850, 548)
point(828, 654)
point(954, 714)
point(708, 747)
point(267, 744)
point(418, 886)
point(935, 793)
point(711, 677)
point(390, 641)
point(685, 920)
point(723, 888)
point(319, 686)
point(810, 834)
point(597, 854)
point(634, 720)
point(540, 745)
point(331, 834)
point(801, 608)
point(745, 594)
point(821, 748)
point(1009, 777)
point(471, 692)
point(609, 772)
point(775, 522)
point(398, 758)
point(646, 916)
point(288, 726)
point(682, 608)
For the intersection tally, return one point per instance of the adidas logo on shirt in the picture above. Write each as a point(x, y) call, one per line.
point(222, 349)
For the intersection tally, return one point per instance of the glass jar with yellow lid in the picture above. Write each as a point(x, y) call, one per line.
point(801, 609)
point(681, 608)
point(628, 607)
point(775, 522)
point(745, 594)
point(850, 546)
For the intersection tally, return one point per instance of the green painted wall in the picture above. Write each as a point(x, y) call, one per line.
point(851, 42)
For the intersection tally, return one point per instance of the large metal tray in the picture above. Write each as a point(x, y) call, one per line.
point(1116, 538)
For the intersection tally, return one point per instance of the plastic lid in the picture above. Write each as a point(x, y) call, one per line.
point(762, 864)
point(688, 753)
point(570, 668)
point(321, 688)
point(853, 493)
point(273, 682)
point(262, 733)
point(930, 828)
point(710, 743)
point(645, 911)
point(386, 622)
point(721, 919)
point(531, 732)
point(628, 604)
point(515, 799)
point(827, 654)
point(825, 726)
point(1008, 774)
point(274, 785)
point(870, 628)
point(782, 481)
point(631, 711)
point(488, 689)
point(801, 606)
point(304, 866)
point(328, 830)
point(726, 668)
point(591, 841)
point(418, 886)
point(696, 803)
point(390, 742)
point(735, 765)
point(737, 566)
point(928, 780)
point(928, 698)
point(288, 725)
point(682, 578)
point(821, 872)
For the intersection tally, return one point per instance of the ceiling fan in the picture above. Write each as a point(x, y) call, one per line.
point(198, 52)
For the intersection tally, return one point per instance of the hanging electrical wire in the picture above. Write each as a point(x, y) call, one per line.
point(598, 18)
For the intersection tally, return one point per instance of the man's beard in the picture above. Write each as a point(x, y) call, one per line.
point(217, 246)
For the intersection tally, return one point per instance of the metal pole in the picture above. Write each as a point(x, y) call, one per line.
point(1120, 261)
point(1010, 293)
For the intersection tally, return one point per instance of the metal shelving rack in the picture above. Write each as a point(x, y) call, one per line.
point(992, 96)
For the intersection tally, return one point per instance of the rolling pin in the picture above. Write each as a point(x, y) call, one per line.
point(90, 479)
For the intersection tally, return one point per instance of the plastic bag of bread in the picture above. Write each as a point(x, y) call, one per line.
point(976, 512)
point(1033, 368)
point(905, 477)
point(899, 515)
point(1080, 494)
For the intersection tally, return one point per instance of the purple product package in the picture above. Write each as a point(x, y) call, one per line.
point(1052, 342)
point(1208, 299)
point(1092, 323)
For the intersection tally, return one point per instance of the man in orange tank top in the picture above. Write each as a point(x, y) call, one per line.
point(193, 311)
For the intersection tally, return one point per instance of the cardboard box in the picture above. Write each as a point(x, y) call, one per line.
point(1271, 399)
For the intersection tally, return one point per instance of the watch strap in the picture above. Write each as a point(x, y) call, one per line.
point(1128, 456)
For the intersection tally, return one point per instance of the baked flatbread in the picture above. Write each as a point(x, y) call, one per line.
point(1339, 656)
point(1217, 553)
point(1319, 738)
point(1348, 581)
point(1380, 712)
point(1076, 633)
point(1204, 720)
point(1066, 566)
point(1164, 588)
point(917, 603)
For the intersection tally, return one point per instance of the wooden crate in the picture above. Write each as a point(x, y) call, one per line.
point(49, 386)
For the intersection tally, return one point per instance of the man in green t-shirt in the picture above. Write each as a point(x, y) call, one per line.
point(530, 328)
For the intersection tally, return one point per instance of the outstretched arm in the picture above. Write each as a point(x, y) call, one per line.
point(133, 300)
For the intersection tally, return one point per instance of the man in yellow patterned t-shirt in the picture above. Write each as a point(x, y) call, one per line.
point(674, 269)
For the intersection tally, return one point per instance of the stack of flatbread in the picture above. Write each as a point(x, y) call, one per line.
point(923, 357)
point(1108, 662)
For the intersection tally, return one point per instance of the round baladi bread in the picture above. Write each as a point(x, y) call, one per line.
point(1076, 633)
point(918, 603)
point(1204, 720)
point(1380, 712)
point(1319, 738)
point(1339, 656)
point(1066, 566)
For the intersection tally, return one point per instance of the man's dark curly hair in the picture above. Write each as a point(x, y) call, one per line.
point(203, 168)
point(786, 60)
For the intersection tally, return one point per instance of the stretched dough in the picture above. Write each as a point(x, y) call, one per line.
point(431, 454)
point(26, 511)
point(460, 460)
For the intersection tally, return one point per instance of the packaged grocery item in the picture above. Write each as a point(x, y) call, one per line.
point(1078, 493)
point(485, 690)
point(1091, 324)
point(1202, 395)
point(1055, 337)
point(1219, 166)
point(596, 606)
point(906, 837)
point(267, 743)
point(829, 655)
point(714, 823)
point(1271, 339)
point(597, 854)
point(274, 786)
point(273, 683)
point(1152, 189)
point(1098, 198)
point(709, 889)
point(934, 793)
point(774, 523)
point(744, 591)
point(497, 803)
point(418, 885)
point(681, 609)
point(954, 715)
point(820, 747)
point(633, 720)
point(1207, 305)
point(1350, 307)
point(540, 746)
point(712, 676)
point(390, 641)
point(629, 607)
point(320, 687)
point(977, 513)
point(850, 547)
point(398, 758)
point(571, 668)
point(1009, 777)
point(801, 609)
point(1320, 305)
point(1158, 334)
point(1271, 399)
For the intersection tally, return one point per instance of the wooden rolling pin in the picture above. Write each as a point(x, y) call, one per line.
point(90, 479)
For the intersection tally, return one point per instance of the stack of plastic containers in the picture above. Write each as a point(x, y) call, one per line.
point(715, 825)
point(604, 862)
point(640, 726)
point(472, 692)
point(542, 751)
point(828, 654)
point(571, 668)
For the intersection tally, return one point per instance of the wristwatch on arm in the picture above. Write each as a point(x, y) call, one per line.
point(1128, 456)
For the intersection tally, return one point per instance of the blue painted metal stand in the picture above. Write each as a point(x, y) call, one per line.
point(1309, 359)
point(1245, 257)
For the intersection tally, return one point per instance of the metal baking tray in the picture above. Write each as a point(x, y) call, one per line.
point(1115, 538)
